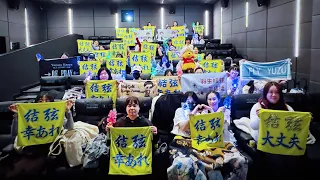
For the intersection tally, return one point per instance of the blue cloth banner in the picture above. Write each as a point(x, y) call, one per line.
point(59, 67)
point(278, 70)
point(203, 83)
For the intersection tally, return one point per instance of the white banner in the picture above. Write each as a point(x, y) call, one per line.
point(164, 34)
point(144, 35)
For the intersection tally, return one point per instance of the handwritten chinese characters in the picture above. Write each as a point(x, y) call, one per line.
point(168, 85)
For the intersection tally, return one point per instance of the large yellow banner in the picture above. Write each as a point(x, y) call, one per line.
point(131, 151)
point(84, 46)
point(39, 123)
point(180, 30)
point(150, 48)
point(207, 130)
point(143, 60)
point(129, 40)
point(179, 42)
point(138, 88)
point(116, 65)
point(89, 66)
point(152, 28)
point(102, 89)
point(212, 66)
point(168, 84)
point(120, 32)
point(283, 132)
point(174, 55)
point(102, 55)
point(199, 29)
point(118, 49)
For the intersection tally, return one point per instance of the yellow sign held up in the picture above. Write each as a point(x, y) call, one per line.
point(129, 40)
point(180, 30)
point(283, 132)
point(179, 42)
point(199, 29)
point(102, 55)
point(102, 89)
point(149, 48)
point(152, 28)
point(118, 49)
point(40, 123)
point(141, 59)
point(116, 65)
point(212, 66)
point(84, 46)
point(168, 84)
point(131, 151)
point(89, 66)
point(174, 55)
point(120, 32)
point(207, 130)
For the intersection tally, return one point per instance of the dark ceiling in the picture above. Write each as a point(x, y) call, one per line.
point(126, 1)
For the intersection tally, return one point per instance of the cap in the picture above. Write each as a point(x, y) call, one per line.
point(136, 68)
point(91, 56)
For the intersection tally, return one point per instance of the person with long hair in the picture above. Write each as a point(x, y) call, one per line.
point(103, 74)
point(234, 83)
point(163, 65)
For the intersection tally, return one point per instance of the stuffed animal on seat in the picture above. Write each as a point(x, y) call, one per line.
point(188, 59)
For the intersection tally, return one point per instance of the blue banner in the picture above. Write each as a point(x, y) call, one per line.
point(278, 70)
point(59, 67)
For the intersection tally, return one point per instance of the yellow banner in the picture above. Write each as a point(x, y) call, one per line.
point(102, 55)
point(207, 130)
point(116, 65)
point(118, 49)
point(283, 132)
point(120, 32)
point(84, 46)
point(179, 42)
point(131, 151)
point(149, 47)
point(89, 66)
point(40, 123)
point(199, 29)
point(174, 55)
point(131, 30)
point(212, 66)
point(129, 40)
point(143, 60)
point(180, 30)
point(102, 89)
point(152, 28)
point(140, 88)
point(168, 84)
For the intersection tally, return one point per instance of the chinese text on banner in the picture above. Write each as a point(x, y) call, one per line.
point(116, 65)
point(117, 49)
point(102, 89)
point(168, 84)
point(89, 66)
point(143, 60)
point(149, 48)
point(174, 55)
point(120, 32)
point(84, 46)
point(179, 42)
point(211, 66)
point(102, 55)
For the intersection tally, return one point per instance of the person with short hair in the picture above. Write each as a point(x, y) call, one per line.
point(198, 70)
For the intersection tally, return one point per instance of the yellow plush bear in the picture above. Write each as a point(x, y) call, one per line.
point(188, 59)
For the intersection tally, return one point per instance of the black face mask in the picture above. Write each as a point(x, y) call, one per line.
point(136, 75)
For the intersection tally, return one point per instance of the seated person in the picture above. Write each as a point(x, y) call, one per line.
point(136, 72)
point(103, 74)
point(95, 45)
point(209, 56)
point(91, 57)
point(195, 39)
point(163, 65)
point(256, 86)
point(188, 44)
point(168, 72)
point(168, 46)
point(234, 84)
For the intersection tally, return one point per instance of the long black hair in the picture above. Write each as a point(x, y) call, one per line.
point(42, 95)
point(264, 102)
point(167, 72)
point(103, 68)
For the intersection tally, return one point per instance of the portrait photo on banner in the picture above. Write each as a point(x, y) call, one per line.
point(164, 34)
point(138, 88)
point(144, 35)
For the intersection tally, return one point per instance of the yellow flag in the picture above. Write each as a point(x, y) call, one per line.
point(207, 130)
point(179, 42)
point(199, 29)
point(180, 30)
point(168, 84)
point(128, 39)
point(131, 151)
point(174, 55)
point(116, 65)
point(84, 46)
point(117, 49)
point(102, 55)
point(40, 123)
point(102, 89)
point(152, 28)
point(283, 132)
point(120, 32)
point(150, 48)
point(92, 66)
point(143, 60)
point(212, 66)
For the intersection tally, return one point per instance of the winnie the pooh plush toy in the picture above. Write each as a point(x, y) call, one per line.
point(188, 60)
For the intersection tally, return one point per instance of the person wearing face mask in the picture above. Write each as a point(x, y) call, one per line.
point(136, 72)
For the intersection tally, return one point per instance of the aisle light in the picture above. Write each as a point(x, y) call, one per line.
point(247, 14)
point(297, 33)
point(70, 20)
point(26, 22)
point(221, 24)
point(206, 23)
point(116, 20)
point(162, 18)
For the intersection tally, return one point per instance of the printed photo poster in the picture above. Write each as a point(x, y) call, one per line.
point(164, 34)
point(179, 42)
point(174, 55)
point(89, 66)
point(60, 67)
point(120, 32)
point(129, 40)
point(144, 35)
point(118, 49)
point(140, 88)
point(102, 55)
point(117, 65)
point(149, 48)
point(84, 46)
point(168, 84)
point(180, 30)
point(39, 123)
point(203, 83)
point(283, 132)
point(141, 59)
point(199, 29)
point(151, 28)
point(102, 89)
point(132, 30)
point(131, 151)
point(212, 66)
point(207, 130)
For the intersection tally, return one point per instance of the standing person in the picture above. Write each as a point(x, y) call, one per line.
point(188, 44)
point(149, 24)
point(175, 24)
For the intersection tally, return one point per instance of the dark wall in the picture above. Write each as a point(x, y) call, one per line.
point(90, 20)
point(315, 48)
point(20, 68)
point(12, 24)
point(270, 33)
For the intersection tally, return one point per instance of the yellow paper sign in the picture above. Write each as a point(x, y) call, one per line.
point(199, 29)
point(180, 30)
point(207, 130)
point(89, 66)
point(168, 84)
point(131, 151)
point(143, 60)
point(120, 32)
point(152, 28)
point(179, 42)
point(102, 55)
point(132, 30)
point(212, 66)
point(84, 46)
point(116, 65)
point(149, 47)
point(118, 49)
point(102, 89)
point(40, 123)
point(129, 40)
point(283, 132)
point(174, 55)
